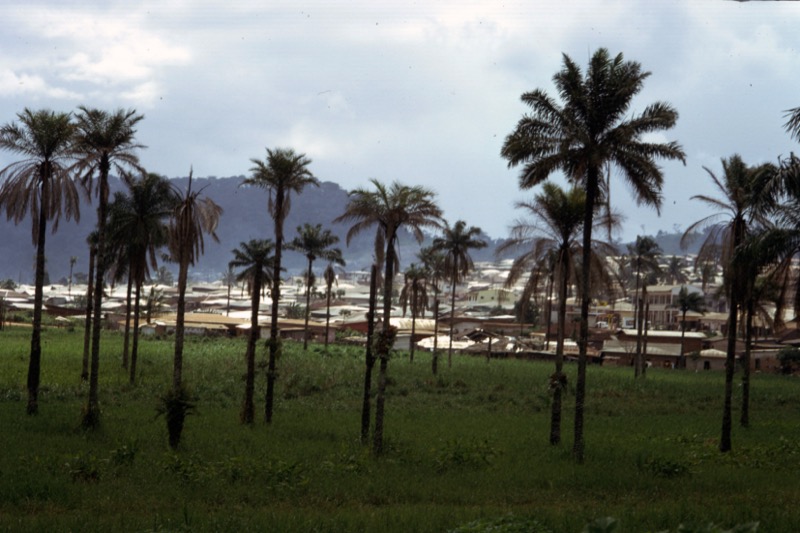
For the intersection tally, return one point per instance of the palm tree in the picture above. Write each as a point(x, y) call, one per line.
point(314, 243)
point(550, 238)
point(793, 123)
point(192, 216)
point(72, 261)
point(329, 275)
point(414, 294)
point(389, 208)
point(643, 255)
point(688, 301)
point(139, 222)
point(255, 259)
point(282, 173)
point(229, 279)
point(40, 184)
point(742, 202)
point(455, 243)
point(592, 129)
point(105, 141)
point(433, 261)
point(674, 272)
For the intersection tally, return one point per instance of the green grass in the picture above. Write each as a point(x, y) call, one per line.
point(470, 445)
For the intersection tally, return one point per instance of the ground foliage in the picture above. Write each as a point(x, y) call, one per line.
point(465, 451)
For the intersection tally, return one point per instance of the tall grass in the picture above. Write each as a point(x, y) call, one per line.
point(467, 445)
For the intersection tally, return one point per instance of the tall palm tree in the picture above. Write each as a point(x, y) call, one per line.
point(433, 261)
point(643, 255)
point(40, 184)
point(329, 275)
point(192, 216)
point(455, 243)
point(390, 208)
point(282, 173)
point(688, 301)
point(138, 222)
point(314, 242)
point(106, 141)
point(591, 129)
point(414, 294)
point(550, 237)
point(741, 204)
point(255, 259)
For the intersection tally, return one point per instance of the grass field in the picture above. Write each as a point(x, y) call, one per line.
point(470, 445)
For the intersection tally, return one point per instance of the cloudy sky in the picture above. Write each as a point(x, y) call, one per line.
point(420, 92)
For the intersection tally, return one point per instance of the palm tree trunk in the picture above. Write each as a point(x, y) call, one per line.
point(744, 419)
point(637, 357)
point(327, 315)
point(274, 335)
point(682, 357)
point(452, 312)
point(646, 328)
point(35, 361)
point(549, 308)
point(137, 307)
point(413, 323)
point(435, 358)
point(370, 359)
point(128, 304)
point(730, 361)
point(91, 415)
point(579, 445)
point(180, 313)
point(87, 328)
point(558, 380)
point(308, 305)
point(248, 408)
point(384, 346)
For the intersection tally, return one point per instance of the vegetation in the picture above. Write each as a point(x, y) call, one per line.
point(466, 447)
point(282, 173)
point(590, 130)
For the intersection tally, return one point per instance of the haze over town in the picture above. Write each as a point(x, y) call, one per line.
point(423, 94)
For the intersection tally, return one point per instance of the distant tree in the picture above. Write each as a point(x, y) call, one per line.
point(433, 261)
point(105, 141)
point(674, 272)
point(8, 284)
point(282, 173)
point(229, 280)
point(389, 208)
point(192, 216)
point(590, 129)
point(643, 255)
point(414, 294)
point(688, 301)
point(254, 258)
point(40, 184)
point(164, 276)
point(314, 242)
point(455, 243)
point(72, 261)
point(329, 275)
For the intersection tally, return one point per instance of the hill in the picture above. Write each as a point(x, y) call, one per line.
point(244, 217)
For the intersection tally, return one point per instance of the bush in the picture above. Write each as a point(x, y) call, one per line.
point(789, 359)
